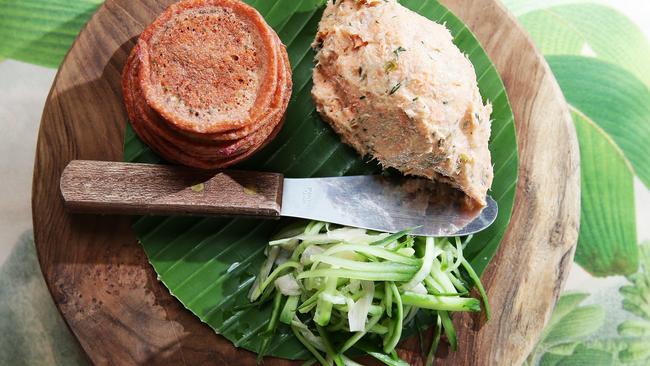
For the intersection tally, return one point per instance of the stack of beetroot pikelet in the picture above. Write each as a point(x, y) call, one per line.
point(207, 83)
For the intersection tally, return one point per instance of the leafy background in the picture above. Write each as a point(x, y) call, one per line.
point(601, 60)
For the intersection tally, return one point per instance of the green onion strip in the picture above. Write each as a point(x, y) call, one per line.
point(372, 283)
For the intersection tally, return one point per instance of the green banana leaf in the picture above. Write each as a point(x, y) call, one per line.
point(612, 118)
point(600, 30)
point(636, 300)
point(607, 241)
point(609, 97)
point(521, 7)
point(570, 324)
point(210, 263)
point(573, 337)
point(41, 31)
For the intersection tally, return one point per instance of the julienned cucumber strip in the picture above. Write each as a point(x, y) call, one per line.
point(358, 335)
point(437, 331)
point(396, 333)
point(429, 254)
point(270, 328)
point(348, 285)
point(364, 266)
point(388, 291)
point(324, 306)
point(369, 349)
point(391, 238)
point(355, 275)
point(308, 345)
point(450, 332)
point(479, 286)
point(385, 254)
point(328, 347)
point(289, 309)
point(387, 359)
point(275, 274)
point(444, 303)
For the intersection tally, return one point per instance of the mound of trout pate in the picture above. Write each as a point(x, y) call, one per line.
point(208, 83)
point(395, 87)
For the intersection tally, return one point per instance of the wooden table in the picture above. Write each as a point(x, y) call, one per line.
point(103, 285)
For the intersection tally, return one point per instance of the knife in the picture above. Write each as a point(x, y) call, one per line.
point(376, 202)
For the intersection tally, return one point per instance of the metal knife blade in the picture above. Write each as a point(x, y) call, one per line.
point(378, 202)
point(386, 204)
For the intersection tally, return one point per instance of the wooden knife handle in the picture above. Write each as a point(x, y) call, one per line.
point(148, 189)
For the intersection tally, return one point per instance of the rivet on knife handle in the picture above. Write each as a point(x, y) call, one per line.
point(147, 189)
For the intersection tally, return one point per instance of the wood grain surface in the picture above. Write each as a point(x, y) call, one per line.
point(103, 285)
point(108, 187)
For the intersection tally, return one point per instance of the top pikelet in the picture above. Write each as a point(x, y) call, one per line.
point(209, 66)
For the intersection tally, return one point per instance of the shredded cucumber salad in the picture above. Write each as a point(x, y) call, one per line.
point(334, 286)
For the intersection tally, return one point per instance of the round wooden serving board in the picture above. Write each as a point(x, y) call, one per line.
point(107, 292)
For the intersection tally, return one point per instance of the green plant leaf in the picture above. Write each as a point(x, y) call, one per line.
point(612, 345)
point(612, 118)
point(41, 31)
point(636, 296)
point(610, 35)
point(610, 102)
point(636, 300)
point(577, 324)
point(607, 240)
point(552, 35)
point(634, 328)
point(637, 350)
point(210, 263)
point(564, 349)
point(630, 348)
point(614, 99)
point(569, 326)
point(567, 303)
point(521, 7)
point(549, 359)
point(584, 356)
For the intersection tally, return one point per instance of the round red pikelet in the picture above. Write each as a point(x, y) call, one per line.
point(175, 146)
point(276, 105)
point(209, 65)
point(140, 115)
point(240, 140)
point(212, 150)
